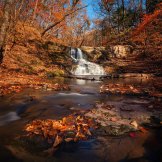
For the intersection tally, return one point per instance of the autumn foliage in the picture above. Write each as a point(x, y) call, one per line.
point(70, 128)
point(148, 18)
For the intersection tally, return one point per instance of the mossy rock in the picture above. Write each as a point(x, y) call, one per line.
point(114, 130)
point(56, 73)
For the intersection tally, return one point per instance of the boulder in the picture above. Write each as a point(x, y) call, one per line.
point(121, 51)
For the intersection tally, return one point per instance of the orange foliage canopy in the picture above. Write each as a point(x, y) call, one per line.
point(147, 19)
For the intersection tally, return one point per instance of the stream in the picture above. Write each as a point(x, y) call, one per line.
point(19, 109)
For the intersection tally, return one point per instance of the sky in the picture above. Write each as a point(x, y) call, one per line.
point(90, 10)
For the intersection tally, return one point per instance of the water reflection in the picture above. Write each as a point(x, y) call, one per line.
point(80, 82)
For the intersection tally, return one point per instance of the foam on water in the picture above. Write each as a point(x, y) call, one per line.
point(71, 94)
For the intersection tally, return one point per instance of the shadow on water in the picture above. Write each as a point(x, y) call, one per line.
point(6, 155)
point(83, 151)
point(152, 149)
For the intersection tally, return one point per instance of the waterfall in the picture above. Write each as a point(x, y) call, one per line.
point(84, 67)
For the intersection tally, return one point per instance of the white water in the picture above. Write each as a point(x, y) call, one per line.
point(71, 94)
point(85, 67)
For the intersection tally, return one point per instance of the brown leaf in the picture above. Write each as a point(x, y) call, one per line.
point(58, 140)
point(69, 139)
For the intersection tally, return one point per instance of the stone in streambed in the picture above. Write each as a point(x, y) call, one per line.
point(114, 130)
point(110, 121)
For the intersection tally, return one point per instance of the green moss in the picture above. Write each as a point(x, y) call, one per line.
point(56, 73)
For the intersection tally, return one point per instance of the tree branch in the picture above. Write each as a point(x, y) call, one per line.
point(63, 18)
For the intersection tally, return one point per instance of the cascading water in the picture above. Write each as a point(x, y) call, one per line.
point(85, 67)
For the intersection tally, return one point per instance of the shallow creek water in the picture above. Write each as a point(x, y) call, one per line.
point(19, 109)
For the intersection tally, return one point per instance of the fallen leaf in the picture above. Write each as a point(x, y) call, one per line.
point(58, 140)
point(134, 123)
point(132, 134)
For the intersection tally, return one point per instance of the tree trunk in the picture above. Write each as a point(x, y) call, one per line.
point(118, 17)
point(35, 10)
point(141, 10)
point(123, 14)
point(4, 28)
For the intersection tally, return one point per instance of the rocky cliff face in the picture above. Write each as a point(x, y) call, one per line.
point(95, 54)
point(102, 53)
point(121, 51)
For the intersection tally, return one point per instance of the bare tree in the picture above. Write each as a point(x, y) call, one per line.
point(35, 10)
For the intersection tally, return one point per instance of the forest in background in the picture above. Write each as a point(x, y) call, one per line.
point(62, 21)
point(131, 22)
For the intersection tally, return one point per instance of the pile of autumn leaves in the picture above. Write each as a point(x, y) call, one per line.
point(54, 132)
point(4, 90)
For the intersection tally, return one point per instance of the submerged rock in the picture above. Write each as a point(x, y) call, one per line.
point(115, 130)
point(110, 120)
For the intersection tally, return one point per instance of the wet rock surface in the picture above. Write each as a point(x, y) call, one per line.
point(118, 121)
